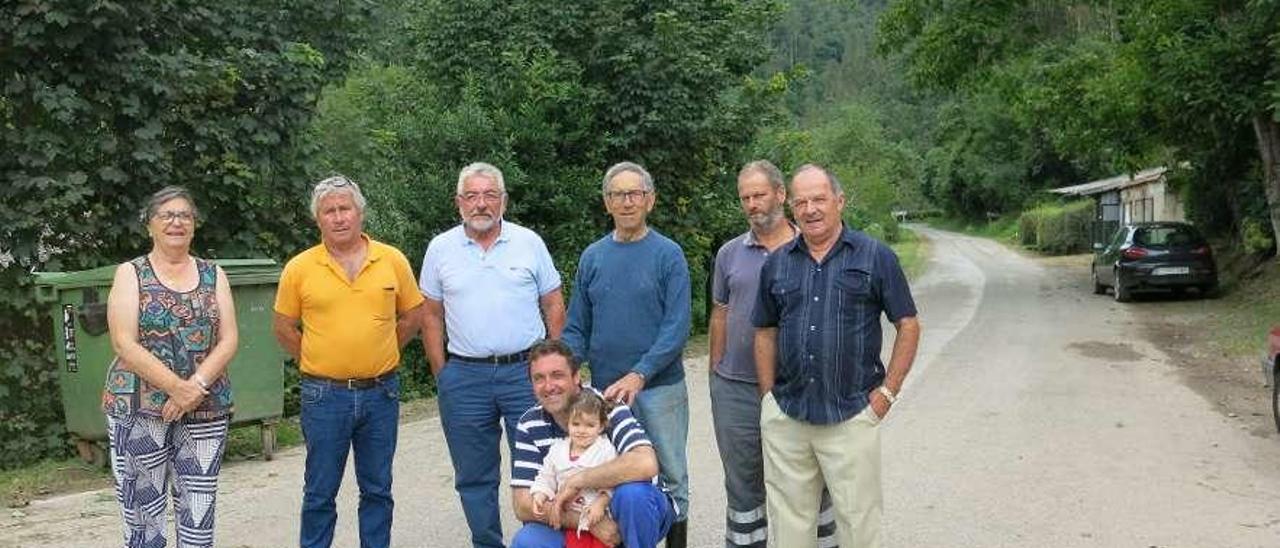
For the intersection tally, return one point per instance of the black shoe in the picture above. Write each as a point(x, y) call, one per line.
point(677, 536)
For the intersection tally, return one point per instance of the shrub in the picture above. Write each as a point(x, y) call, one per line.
point(1057, 229)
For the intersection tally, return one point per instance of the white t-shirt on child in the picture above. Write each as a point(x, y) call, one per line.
point(558, 466)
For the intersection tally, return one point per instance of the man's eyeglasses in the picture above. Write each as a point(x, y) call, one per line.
point(172, 216)
point(488, 196)
point(619, 196)
point(337, 181)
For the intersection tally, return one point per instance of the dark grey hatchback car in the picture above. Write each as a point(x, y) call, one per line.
point(1154, 256)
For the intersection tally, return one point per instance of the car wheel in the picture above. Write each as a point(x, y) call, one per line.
point(1121, 292)
point(1275, 399)
point(1207, 291)
point(1098, 288)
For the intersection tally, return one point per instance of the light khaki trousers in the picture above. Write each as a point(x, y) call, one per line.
point(800, 457)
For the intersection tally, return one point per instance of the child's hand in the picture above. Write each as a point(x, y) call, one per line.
point(539, 504)
point(593, 513)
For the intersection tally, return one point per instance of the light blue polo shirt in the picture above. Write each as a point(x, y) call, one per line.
point(490, 297)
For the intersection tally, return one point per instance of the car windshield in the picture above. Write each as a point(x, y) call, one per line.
point(1166, 236)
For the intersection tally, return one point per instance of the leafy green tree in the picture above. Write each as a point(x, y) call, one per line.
point(849, 109)
point(1121, 84)
point(102, 104)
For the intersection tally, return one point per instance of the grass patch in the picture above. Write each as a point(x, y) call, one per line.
point(1250, 304)
point(912, 251)
point(245, 442)
point(50, 477)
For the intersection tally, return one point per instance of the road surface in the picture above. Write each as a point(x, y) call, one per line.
point(1036, 415)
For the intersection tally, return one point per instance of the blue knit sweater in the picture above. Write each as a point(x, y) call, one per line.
point(630, 310)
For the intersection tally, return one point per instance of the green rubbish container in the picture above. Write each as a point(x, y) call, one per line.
point(78, 305)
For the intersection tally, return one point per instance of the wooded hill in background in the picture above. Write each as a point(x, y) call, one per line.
point(1044, 93)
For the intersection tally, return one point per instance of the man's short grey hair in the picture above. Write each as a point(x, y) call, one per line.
point(836, 187)
point(163, 195)
point(766, 168)
point(333, 185)
point(620, 167)
point(483, 169)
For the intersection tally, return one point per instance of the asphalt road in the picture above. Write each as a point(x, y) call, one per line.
point(1036, 415)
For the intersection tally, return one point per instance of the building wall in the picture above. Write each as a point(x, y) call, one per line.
point(1153, 201)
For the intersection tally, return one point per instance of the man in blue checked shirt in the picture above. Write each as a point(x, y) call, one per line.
point(817, 348)
point(641, 513)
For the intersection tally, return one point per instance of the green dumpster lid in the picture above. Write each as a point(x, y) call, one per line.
point(250, 271)
point(239, 272)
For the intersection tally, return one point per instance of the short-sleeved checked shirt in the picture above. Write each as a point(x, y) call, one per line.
point(828, 320)
point(537, 431)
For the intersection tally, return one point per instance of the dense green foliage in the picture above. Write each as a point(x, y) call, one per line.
point(850, 110)
point(552, 95)
point(973, 107)
point(1090, 89)
point(104, 103)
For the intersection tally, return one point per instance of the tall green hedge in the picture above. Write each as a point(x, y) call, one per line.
point(1057, 229)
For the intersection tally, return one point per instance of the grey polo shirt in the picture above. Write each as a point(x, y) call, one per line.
point(734, 284)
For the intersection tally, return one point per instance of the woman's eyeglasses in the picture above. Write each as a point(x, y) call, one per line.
point(174, 216)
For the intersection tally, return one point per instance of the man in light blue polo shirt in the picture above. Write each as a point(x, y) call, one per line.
point(491, 286)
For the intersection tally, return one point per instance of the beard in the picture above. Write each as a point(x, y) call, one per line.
point(481, 224)
point(766, 220)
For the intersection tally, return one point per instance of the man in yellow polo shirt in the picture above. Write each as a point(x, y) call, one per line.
point(358, 305)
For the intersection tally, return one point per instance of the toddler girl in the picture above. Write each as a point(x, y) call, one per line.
point(584, 448)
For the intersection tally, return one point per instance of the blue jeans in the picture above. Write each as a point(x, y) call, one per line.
point(336, 420)
point(664, 412)
point(473, 398)
point(642, 511)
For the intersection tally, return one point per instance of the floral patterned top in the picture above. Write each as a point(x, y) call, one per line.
point(179, 328)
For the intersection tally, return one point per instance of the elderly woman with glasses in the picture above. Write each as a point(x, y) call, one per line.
point(167, 398)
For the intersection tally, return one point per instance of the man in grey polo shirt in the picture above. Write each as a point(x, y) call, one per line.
point(491, 285)
point(735, 399)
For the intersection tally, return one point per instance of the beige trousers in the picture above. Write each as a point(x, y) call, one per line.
point(799, 457)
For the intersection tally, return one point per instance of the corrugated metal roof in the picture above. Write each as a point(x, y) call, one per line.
point(1112, 183)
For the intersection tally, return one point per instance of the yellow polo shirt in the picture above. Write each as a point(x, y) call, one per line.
point(348, 327)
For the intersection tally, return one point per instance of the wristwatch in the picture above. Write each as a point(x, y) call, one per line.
point(199, 380)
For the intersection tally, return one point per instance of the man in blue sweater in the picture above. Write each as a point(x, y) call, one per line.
point(629, 318)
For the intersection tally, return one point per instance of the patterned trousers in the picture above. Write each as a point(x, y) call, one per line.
point(150, 456)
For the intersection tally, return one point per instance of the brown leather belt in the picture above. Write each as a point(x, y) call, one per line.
point(352, 384)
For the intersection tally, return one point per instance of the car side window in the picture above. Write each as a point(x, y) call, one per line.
point(1118, 240)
